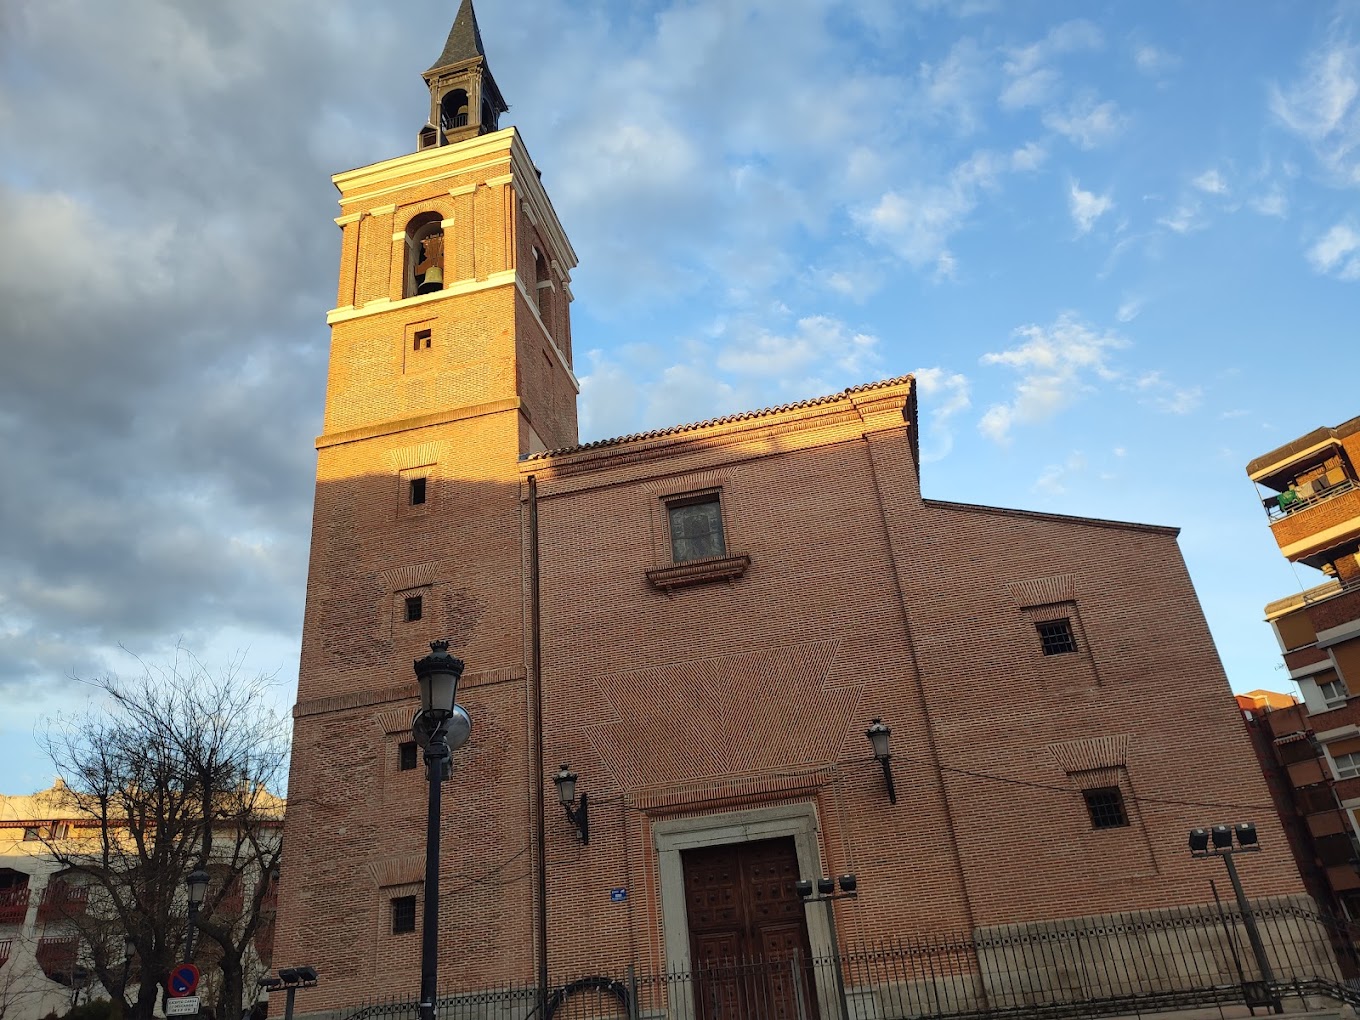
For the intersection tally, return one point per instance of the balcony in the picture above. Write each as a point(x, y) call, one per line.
point(6, 945)
point(1315, 524)
point(13, 905)
point(57, 958)
point(1326, 823)
point(1307, 773)
point(1343, 877)
point(61, 901)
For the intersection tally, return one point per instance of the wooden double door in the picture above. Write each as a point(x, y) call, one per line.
point(748, 938)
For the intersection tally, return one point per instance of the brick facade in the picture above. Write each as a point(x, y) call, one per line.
point(741, 698)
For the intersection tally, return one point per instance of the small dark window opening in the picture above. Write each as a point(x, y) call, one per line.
point(1055, 636)
point(696, 528)
point(1106, 806)
point(417, 491)
point(415, 608)
point(30, 833)
point(453, 110)
point(421, 340)
point(406, 755)
point(403, 914)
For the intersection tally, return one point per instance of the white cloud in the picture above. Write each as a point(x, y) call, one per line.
point(1029, 156)
point(1030, 82)
point(1211, 182)
point(1153, 61)
point(1052, 480)
point(1086, 123)
point(1086, 207)
point(1270, 203)
point(1322, 108)
point(1184, 219)
point(1165, 396)
point(916, 222)
point(944, 394)
point(951, 88)
point(1128, 310)
point(1337, 253)
point(1057, 364)
point(816, 341)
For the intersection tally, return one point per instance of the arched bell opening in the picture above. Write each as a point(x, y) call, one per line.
point(490, 119)
point(424, 255)
point(453, 109)
point(542, 283)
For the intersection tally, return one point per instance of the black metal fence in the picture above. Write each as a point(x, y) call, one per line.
point(1106, 966)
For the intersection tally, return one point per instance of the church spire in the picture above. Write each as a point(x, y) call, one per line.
point(464, 99)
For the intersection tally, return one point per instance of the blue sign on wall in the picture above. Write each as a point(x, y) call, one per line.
point(618, 894)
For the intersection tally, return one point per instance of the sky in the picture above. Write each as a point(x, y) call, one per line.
point(1117, 243)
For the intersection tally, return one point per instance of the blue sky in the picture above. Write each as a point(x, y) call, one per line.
point(1118, 244)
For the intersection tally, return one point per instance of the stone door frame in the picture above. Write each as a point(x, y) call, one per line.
point(672, 835)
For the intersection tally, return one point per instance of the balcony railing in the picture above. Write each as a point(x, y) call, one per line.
point(13, 905)
point(60, 901)
point(57, 958)
point(6, 945)
point(1291, 501)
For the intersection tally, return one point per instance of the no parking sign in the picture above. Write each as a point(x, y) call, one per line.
point(183, 980)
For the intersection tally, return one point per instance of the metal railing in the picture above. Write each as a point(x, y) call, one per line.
point(1177, 958)
point(1277, 511)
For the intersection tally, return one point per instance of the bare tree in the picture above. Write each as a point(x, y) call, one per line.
point(167, 773)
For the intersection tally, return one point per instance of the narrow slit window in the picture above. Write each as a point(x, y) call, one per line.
point(1056, 637)
point(406, 755)
point(1106, 807)
point(417, 491)
point(415, 608)
point(403, 914)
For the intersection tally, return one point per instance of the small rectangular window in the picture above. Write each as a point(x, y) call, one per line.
point(406, 755)
point(1106, 807)
point(417, 491)
point(1347, 765)
point(1055, 636)
point(30, 833)
point(415, 608)
point(696, 528)
point(403, 914)
point(421, 340)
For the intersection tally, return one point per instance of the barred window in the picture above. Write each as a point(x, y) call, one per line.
point(406, 755)
point(403, 914)
point(1056, 637)
point(1106, 807)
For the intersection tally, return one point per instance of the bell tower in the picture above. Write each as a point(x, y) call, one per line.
point(450, 358)
point(464, 99)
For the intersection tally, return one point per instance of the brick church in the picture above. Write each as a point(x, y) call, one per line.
point(703, 622)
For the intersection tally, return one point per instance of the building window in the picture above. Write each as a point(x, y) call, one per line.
point(30, 833)
point(1056, 637)
point(1332, 687)
point(406, 755)
point(61, 830)
point(420, 340)
point(696, 528)
point(417, 491)
point(403, 914)
point(1347, 765)
point(424, 255)
point(1106, 806)
point(415, 608)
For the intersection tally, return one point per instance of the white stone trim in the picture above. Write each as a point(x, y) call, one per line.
point(670, 836)
point(1335, 635)
point(377, 305)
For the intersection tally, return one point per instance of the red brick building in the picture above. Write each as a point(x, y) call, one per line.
point(1312, 503)
point(702, 621)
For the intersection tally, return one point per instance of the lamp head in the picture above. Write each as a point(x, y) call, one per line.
point(288, 975)
point(826, 886)
point(197, 883)
point(1199, 841)
point(270, 983)
point(1246, 834)
point(1221, 836)
point(848, 883)
point(566, 785)
point(438, 674)
point(803, 887)
point(880, 736)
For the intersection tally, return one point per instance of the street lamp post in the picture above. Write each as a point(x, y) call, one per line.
point(826, 893)
point(197, 883)
point(129, 949)
point(1221, 838)
point(440, 724)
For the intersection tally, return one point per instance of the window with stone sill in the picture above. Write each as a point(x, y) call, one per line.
point(696, 542)
point(403, 915)
point(1105, 804)
point(1347, 765)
